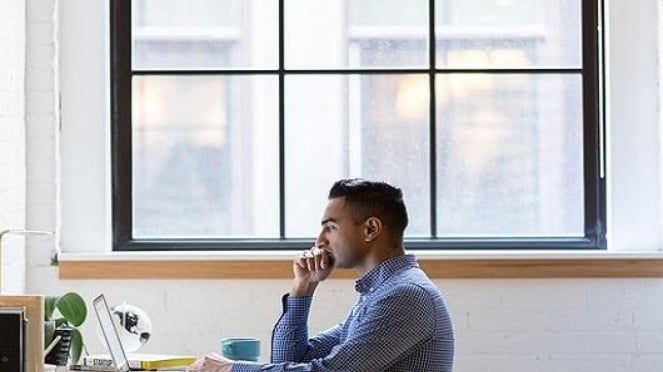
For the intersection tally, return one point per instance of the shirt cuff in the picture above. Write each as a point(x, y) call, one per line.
point(246, 366)
point(297, 306)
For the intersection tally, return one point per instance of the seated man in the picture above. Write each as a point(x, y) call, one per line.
point(400, 321)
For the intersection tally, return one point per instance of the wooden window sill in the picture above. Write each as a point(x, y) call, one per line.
point(444, 265)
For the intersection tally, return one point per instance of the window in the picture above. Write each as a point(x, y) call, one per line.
point(231, 119)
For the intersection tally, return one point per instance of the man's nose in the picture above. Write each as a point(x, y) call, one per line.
point(321, 241)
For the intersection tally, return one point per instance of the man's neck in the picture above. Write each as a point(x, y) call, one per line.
point(379, 256)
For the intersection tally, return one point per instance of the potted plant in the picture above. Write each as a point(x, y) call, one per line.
point(67, 310)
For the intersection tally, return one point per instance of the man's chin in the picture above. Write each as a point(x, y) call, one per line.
point(338, 264)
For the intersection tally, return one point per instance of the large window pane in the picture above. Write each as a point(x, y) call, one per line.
point(205, 34)
point(205, 163)
point(372, 126)
point(353, 99)
point(335, 33)
point(510, 155)
point(508, 33)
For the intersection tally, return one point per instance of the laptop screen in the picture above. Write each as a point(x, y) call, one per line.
point(110, 333)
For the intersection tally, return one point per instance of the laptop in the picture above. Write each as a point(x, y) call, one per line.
point(112, 339)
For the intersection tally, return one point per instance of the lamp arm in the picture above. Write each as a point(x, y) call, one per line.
point(3, 233)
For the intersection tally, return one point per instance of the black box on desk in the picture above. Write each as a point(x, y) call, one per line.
point(12, 340)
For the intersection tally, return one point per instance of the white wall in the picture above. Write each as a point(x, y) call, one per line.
point(42, 121)
point(12, 143)
point(510, 325)
point(634, 132)
point(501, 325)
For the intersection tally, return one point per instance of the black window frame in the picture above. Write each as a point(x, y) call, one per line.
point(121, 74)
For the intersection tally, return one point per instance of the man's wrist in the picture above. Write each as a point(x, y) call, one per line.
point(241, 366)
point(300, 289)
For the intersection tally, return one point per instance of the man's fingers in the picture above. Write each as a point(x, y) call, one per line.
point(301, 262)
point(309, 263)
point(324, 261)
point(304, 261)
point(314, 259)
point(316, 263)
point(197, 365)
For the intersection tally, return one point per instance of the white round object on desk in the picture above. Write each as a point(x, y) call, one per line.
point(133, 324)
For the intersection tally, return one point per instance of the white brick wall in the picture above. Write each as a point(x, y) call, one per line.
point(42, 120)
point(558, 325)
point(505, 325)
point(12, 142)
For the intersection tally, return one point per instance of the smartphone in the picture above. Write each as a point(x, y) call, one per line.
point(59, 353)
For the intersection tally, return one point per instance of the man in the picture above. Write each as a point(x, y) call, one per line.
point(400, 322)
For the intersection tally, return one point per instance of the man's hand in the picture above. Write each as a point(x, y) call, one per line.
point(212, 363)
point(310, 268)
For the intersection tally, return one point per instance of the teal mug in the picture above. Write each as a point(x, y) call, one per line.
point(241, 348)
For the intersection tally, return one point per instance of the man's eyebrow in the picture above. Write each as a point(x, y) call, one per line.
point(327, 220)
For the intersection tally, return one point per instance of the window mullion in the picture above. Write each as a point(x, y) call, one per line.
point(432, 119)
point(281, 98)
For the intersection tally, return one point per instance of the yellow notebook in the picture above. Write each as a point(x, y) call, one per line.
point(143, 361)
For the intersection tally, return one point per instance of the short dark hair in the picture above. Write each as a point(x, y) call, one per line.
point(373, 199)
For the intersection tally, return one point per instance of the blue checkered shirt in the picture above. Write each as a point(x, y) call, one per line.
point(400, 323)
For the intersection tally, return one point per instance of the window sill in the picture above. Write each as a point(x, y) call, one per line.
point(277, 265)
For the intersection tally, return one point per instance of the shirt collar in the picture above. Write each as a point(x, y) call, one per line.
point(384, 270)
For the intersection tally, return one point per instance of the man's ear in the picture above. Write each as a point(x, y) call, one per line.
point(372, 228)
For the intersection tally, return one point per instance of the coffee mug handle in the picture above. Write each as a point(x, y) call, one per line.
point(228, 348)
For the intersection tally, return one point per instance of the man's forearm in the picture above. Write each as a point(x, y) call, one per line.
point(302, 289)
point(290, 337)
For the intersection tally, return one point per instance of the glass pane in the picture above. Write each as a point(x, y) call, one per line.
point(510, 155)
point(508, 33)
point(356, 33)
point(355, 126)
point(205, 34)
point(205, 162)
point(391, 13)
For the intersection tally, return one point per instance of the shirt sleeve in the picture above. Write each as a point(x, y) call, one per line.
point(381, 334)
point(290, 341)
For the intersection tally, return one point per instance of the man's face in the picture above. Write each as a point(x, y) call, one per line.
point(341, 236)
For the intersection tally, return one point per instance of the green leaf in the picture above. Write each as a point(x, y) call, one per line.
point(49, 328)
point(68, 310)
point(76, 346)
point(49, 306)
point(72, 307)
